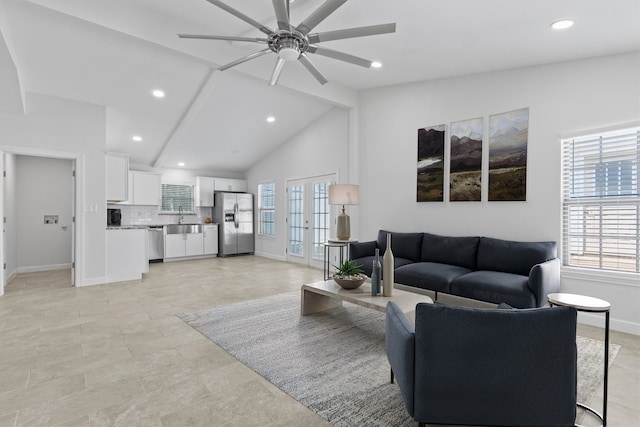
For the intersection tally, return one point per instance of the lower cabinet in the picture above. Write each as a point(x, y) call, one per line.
point(210, 238)
point(126, 254)
point(180, 245)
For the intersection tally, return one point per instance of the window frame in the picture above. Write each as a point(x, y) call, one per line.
point(262, 209)
point(601, 201)
point(173, 212)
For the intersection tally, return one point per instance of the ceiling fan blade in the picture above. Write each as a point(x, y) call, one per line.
point(231, 39)
point(319, 15)
point(242, 16)
point(349, 33)
point(312, 68)
point(340, 56)
point(281, 8)
point(245, 59)
point(276, 72)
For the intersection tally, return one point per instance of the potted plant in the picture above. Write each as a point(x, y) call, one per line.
point(349, 275)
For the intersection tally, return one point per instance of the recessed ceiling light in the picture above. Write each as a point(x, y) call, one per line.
point(271, 119)
point(181, 164)
point(562, 24)
point(376, 64)
point(158, 93)
point(136, 138)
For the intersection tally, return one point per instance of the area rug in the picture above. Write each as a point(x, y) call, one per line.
point(334, 362)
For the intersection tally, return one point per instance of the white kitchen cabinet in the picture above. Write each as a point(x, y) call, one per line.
point(210, 238)
point(174, 245)
point(193, 244)
point(181, 245)
point(147, 189)
point(234, 185)
point(117, 177)
point(126, 254)
point(205, 187)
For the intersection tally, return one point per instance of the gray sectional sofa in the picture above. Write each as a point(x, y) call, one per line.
point(520, 274)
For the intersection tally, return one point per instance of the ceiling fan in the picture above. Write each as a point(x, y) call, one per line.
point(295, 43)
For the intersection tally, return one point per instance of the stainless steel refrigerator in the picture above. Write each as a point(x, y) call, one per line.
point(234, 214)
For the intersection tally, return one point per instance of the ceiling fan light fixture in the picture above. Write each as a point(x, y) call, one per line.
point(289, 53)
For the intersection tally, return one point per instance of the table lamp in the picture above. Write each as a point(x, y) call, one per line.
point(343, 194)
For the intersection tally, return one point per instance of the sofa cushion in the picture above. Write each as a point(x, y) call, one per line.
point(403, 245)
point(513, 257)
point(429, 275)
point(460, 251)
point(362, 249)
point(495, 287)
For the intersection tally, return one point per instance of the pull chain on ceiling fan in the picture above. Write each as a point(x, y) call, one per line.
point(294, 43)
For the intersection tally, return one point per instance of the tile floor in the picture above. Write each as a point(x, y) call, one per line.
point(115, 355)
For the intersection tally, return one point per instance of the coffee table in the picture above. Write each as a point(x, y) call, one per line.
point(321, 296)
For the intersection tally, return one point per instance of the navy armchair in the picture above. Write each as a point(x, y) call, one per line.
point(501, 367)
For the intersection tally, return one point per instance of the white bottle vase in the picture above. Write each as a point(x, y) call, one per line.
point(387, 270)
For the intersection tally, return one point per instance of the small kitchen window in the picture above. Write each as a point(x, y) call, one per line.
point(177, 197)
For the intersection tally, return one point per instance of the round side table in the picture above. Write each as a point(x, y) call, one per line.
point(592, 305)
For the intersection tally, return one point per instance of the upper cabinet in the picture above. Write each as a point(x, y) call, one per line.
point(117, 177)
point(147, 188)
point(235, 185)
point(204, 191)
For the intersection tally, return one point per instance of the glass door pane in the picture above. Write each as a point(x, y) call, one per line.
point(296, 220)
point(321, 215)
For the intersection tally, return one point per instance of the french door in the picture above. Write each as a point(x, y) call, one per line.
point(308, 219)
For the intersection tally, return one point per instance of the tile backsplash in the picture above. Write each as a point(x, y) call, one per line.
point(150, 215)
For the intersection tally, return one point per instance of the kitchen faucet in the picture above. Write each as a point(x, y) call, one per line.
point(180, 215)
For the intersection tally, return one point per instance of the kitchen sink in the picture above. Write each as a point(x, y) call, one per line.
point(183, 228)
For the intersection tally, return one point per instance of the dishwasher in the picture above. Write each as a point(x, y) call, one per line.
point(156, 243)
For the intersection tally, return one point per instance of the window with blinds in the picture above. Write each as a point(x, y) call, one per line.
point(601, 202)
point(267, 208)
point(177, 197)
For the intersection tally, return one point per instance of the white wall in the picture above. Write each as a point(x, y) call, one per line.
point(563, 99)
point(59, 128)
point(44, 186)
point(320, 149)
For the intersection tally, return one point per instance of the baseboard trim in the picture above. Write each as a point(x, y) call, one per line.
point(37, 268)
point(270, 256)
point(598, 320)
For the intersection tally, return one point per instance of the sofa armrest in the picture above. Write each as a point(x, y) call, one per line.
point(362, 249)
point(544, 279)
point(400, 348)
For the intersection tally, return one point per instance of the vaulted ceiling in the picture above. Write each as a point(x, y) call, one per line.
point(116, 52)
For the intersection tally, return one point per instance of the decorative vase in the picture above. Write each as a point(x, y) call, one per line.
point(376, 270)
point(387, 270)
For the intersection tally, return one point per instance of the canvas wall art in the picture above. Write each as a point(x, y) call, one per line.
point(430, 185)
point(508, 137)
point(465, 164)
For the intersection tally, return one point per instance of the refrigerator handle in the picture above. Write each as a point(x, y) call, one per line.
point(235, 215)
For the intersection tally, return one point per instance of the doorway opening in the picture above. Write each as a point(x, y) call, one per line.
point(38, 247)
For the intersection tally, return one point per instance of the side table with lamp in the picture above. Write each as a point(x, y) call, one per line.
point(341, 195)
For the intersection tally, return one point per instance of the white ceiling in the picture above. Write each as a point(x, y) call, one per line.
point(115, 52)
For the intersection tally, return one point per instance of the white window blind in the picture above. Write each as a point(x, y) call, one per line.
point(176, 197)
point(601, 202)
point(267, 208)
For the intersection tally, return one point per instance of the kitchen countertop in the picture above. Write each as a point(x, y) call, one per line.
point(140, 226)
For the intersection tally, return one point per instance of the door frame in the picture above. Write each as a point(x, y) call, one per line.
point(76, 239)
point(307, 258)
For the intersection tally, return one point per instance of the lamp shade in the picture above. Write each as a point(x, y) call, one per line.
point(344, 194)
